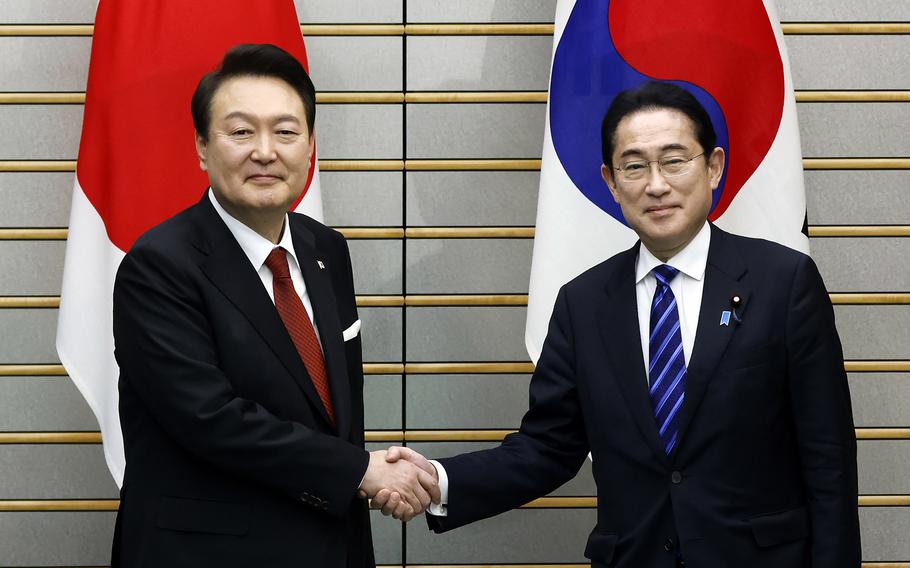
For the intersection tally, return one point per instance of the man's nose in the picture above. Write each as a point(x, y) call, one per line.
point(264, 149)
point(656, 182)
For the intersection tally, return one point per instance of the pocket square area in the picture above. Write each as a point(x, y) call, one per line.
point(352, 331)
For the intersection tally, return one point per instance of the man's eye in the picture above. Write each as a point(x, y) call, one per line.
point(635, 166)
point(241, 132)
point(287, 133)
point(671, 162)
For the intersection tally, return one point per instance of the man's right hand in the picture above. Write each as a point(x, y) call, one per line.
point(399, 487)
point(388, 500)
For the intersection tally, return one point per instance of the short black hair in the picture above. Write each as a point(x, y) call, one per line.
point(253, 60)
point(655, 95)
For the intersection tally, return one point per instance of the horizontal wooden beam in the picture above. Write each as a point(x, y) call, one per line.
point(468, 368)
point(471, 300)
point(443, 165)
point(361, 165)
point(817, 231)
point(856, 163)
point(466, 97)
point(391, 436)
point(89, 505)
point(469, 232)
point(352, 29)
point(477, 368)
point(476, 29)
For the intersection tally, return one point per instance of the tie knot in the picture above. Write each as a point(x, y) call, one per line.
point(664, 274)
point(277, 261)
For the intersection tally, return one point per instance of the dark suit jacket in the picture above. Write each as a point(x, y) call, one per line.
point(231, 459)
point(764, 473)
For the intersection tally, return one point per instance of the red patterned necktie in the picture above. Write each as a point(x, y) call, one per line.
point(296, 320)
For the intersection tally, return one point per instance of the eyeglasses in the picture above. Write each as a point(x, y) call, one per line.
point(671, 166)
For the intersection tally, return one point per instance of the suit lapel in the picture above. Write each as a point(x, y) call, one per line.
point(322, 298)
point(617, 320)
point(229, 270)
point(723, 275)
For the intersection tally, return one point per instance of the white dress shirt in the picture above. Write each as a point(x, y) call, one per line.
point(257, 248)
point(687, 287)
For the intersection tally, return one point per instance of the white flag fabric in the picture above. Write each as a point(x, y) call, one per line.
point(137, 163)
point(731, 57)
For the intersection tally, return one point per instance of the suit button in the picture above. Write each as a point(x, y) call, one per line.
point(676, 477)
point(668, 546)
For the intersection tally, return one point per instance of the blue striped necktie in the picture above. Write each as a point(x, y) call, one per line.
point(667, 367)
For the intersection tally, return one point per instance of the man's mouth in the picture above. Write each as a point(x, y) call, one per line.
point(263, 178)
point(660, 209)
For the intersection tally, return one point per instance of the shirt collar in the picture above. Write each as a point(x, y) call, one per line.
point(691, 260)
point(255, 246)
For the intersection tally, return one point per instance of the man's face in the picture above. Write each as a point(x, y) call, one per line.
point(258, 150)
point(666, 212)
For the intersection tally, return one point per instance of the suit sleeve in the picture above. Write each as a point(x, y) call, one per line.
point(547, 450)
point(824, 421)
point(165, 349)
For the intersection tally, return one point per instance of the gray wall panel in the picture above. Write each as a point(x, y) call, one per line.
point(55, 471)
point(366, 63)
point(56, 539)
point(377, 266)
point(884, 531)
point(387, 535)
point(44, 63)
point(31, 268)
point(849, 62)
point(359, 131)
point(843, 10)
point(854, 129)
point(31, 336)
point(880, 399)
point(475, 131)
point(40, 132)
point(472, 198)
point(883, 467)
point(360, 199)
point(466, 401)
point(35, 199)
point(863, 264)
point(477, 11)
point(874, 332)
point(382, 402)
point(478, 63)
point(581, 485)
point(858, 197)
point(466, 334)
point(35, 404)
point(381, 332)
point(468, 266)
point(47, 11)
point(349, 11)
point(523, 536)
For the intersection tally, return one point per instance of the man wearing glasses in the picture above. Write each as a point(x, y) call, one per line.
point(702, 370)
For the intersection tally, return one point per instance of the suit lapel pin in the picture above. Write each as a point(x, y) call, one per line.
point(321, 265)
point(725, 317)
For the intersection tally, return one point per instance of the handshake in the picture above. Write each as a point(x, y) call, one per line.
point(400, 482)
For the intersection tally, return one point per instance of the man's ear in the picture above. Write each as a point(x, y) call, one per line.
point(716, 166)
point(200, 151)
point(606, 172)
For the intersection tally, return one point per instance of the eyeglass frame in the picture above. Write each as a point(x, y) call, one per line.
point(659, 168)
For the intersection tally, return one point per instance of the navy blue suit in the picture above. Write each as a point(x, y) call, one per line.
point(764, 473)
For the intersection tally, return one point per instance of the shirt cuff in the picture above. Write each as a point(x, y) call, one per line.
point(440, 509)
